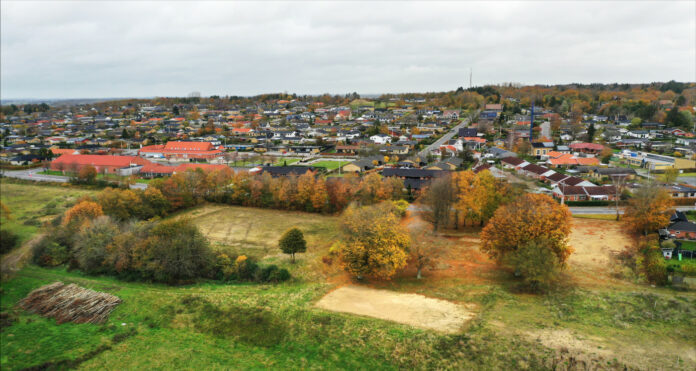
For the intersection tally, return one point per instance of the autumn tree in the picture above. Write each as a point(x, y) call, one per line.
point(425, 249)
point(478, 196)
point(437, 201)
point(87, 174)
point(649, 209)
point(374, 242)
point(531, 217)
point(82, 213)
point(292, 242)
point(670, 175)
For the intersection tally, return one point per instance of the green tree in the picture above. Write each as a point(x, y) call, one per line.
point(591, 133)
point(175, 251)
point(536, 263)
point(92, 243)
point(292, 242)
point(675, 118)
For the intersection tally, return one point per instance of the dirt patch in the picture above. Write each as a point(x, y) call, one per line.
point(411, 309)
point(595, 241)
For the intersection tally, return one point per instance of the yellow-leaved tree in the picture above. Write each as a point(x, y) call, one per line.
point(649, 209)
point(374, 244)
point(529, 218)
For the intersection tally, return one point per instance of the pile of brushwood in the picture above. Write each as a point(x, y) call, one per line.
point(70, 303)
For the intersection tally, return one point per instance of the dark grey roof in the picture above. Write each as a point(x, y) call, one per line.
point(683, 226)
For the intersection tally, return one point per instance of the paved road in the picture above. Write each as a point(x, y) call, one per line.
point(610, 210)
point(33, 174)
point(443, 139)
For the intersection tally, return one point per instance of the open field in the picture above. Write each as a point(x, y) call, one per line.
point(255, 232)
point(32, 205)
point(591, 317)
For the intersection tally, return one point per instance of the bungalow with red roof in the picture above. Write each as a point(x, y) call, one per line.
point(592, 148)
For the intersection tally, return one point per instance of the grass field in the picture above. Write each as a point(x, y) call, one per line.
point(592, 317)
point(286, 161)
point(329, 165)
point(32, 205)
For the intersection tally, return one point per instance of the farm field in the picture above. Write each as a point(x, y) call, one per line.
point(593, 317)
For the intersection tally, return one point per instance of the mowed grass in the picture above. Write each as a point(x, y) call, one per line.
point(329, 165)
point(32, 205)
point(286, 161)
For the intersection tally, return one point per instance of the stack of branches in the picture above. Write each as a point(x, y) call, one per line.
point(70, 303)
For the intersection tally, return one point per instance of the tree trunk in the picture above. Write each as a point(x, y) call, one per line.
point(293, 258)
point(418, 276)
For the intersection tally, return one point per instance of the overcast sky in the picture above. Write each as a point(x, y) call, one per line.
point(62, 49)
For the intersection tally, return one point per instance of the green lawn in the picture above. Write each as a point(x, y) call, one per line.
point(329, 165)
point(286, 161)
point(31, 205)
point(52, 172)
point(688, 245)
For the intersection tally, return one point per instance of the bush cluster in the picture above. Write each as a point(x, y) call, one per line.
point(8, 240)
point(171, 251)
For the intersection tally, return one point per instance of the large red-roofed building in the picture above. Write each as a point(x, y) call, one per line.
point(182, 150)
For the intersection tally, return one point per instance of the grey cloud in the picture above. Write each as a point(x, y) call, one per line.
point(109, 49)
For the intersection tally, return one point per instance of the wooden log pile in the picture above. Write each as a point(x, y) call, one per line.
point(70, 303)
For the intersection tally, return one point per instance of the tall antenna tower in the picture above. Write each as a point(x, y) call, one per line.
point(471, 73)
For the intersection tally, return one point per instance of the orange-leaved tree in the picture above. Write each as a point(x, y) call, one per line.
point(374, 244)
point(649, 209)
point(82, 213)
point(531, 217)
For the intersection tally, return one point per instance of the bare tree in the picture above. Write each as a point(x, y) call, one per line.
point(619, 181)
point(438, 200)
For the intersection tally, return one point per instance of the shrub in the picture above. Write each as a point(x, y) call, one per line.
point(536, 262)
point(655, 267)
point(8, 240)
point(91, 245)
point(48, 253)
point(175, 251)
point(401, 207)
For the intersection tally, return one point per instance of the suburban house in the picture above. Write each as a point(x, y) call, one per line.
point(683, 229)
point(590, 148)
point(601, 172)
point(585, 193)
point(364, 164)
point(413, 178)
point(558, 159)
point(681, 190)
point(278, 171)
point(536, 171)
point(513, 163)
point(182, 150)
point(380, 139)
point(541, 148)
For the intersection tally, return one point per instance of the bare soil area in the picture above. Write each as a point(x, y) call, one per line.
point(595, 241)
point(410, 309)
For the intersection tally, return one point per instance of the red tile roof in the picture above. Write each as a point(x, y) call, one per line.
point(99, 160)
